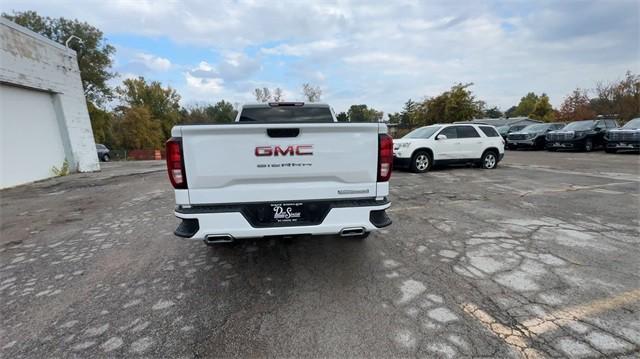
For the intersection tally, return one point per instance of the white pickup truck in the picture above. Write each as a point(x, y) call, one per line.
point(282, 169)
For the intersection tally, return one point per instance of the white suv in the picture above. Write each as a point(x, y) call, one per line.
point(438, 144)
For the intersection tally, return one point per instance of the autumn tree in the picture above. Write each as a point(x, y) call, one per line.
point(95, 56)
point(163, 103)
point(619, 98)
point(576, 106)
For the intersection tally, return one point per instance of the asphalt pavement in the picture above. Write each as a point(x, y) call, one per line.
point(538, 258)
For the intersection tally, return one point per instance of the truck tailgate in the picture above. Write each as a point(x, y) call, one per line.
point(239, 163)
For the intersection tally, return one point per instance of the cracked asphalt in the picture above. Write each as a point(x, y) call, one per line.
point(538, 258)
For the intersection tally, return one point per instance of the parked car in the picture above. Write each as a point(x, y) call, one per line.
point(532, 136)
point(445, 144)
point(505, 130)
point(282, 169)
point(104, 154)
point(626, 137)
point(580, 135)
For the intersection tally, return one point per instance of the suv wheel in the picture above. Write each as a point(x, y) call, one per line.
point(106, 158)
point(489, 160)
point(421, 162)
point(588, 145)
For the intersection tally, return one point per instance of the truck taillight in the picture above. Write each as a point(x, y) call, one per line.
point(175, 163)
point(385, 157)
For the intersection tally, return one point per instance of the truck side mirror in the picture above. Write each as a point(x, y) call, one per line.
point(441, 137)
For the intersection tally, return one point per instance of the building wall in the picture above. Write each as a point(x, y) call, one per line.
point(38, 65)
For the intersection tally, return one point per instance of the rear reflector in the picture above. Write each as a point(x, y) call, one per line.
point(385, 157)
point(175, 163)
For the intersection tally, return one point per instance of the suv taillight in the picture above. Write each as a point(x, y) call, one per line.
point(175, 163)
point(385, 157)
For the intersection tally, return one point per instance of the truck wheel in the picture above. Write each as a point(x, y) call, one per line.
point(489, 160)
point(106, 158)
point(588, 145)
point(421, 162)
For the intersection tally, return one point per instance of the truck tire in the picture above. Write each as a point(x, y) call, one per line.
point(588, 145)
point(489, 160)
point(421, 162)
point(106, 158)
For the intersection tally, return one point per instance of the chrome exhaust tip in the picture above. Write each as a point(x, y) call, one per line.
point(218, 238)
point(352, 231)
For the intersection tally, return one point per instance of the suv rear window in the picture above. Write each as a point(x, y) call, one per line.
point(489, 131)
point(286, 114)
point(467, 132)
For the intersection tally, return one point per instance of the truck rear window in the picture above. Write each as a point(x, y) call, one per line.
point(286, 114)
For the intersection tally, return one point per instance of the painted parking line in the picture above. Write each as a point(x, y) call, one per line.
point(519, 337)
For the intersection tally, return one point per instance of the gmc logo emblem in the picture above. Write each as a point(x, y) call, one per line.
point(293, 150)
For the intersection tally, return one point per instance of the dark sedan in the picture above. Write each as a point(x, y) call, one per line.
point(104, 154)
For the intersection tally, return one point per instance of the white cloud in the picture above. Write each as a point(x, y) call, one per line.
point(210, 86)
point(303, 49)
point(154, 63)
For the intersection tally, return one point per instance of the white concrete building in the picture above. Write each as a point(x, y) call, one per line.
point(43, 113)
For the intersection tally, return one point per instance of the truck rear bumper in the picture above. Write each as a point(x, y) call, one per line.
point(233, 224)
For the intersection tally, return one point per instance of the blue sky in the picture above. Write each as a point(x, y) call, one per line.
point(375, 52)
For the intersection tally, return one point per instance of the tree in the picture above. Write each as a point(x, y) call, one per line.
point(576, 106)
point(221, 112)
point(362, 113)
point(278, 96)
point(493, 112)
point(511, 112)
point(94, 54)
point(342, 117)
point(311, 93)
point(526, 105)
point(137, 130)
point(457, 104)
point(262, 94)
point(101, 124)
point(395, 117)
point(621, 98)
point(163, 103)
point(543, 111)
point(408, 115)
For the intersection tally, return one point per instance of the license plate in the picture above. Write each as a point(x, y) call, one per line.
point(290, 212)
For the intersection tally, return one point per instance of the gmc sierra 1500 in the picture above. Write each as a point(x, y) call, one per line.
point(281, 169)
